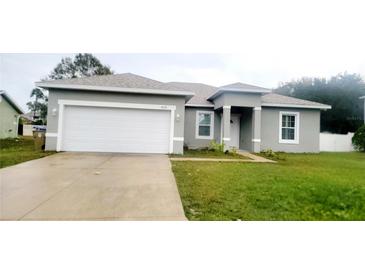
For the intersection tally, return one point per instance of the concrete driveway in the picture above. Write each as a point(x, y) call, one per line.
point(90, 186)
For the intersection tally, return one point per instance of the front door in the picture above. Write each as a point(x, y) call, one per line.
point(234, 132)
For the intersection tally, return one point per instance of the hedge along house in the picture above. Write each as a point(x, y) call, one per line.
point(9, 116)
point(134, 114)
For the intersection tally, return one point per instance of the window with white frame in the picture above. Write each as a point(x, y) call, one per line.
point(289, 127)
point(204, 124)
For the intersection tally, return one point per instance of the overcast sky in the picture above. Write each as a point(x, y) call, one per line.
point(18, 72)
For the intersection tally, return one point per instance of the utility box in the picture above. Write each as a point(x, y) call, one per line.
point(39, 140)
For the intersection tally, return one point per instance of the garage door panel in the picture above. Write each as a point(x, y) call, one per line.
point(116, 130)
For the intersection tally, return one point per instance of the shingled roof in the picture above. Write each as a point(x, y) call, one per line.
point(124, 80)
point(202, 92)
point(273, 99)
point(198, 94)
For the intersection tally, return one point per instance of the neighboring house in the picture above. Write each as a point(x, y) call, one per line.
point(9, 116)
point(27, 118)
point(131, 113)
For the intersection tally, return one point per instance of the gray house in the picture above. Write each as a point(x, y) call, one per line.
point(131, 113)
point(9, 116)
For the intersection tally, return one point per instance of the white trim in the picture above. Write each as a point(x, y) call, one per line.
point(296, 129)
point(197, 136)
point(114, 104)
point(199, 106)
point(256, 140)
point(60, 125)
point(227, 139)
point(295, 106)
point(362, 97)
point(179, 139)
point(51, 134)
point(226, 107)
point(253, 90)
point(172, 128)
point(116, 89)
point(62, 104)
point(257, 108)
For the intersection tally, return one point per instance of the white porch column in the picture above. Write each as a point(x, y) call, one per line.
point(256, 129)
point(226, 120)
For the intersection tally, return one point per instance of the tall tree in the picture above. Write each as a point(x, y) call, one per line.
point(82, 65)
point(38, 106)
point(342, 92)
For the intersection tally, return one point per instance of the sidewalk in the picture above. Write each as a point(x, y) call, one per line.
point(251, 159)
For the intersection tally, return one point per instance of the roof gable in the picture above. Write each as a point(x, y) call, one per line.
point(6, 96)
point(243, 87)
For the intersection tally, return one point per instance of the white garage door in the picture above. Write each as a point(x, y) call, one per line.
point(103, 129)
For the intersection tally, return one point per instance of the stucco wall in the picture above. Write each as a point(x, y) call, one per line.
point(55, 95)
point(190, 128)
point(8, 120)
point(309, 129)
point(238, 100)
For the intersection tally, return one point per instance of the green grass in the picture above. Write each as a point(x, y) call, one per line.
point(325, 186)
point(205, 153)
point(18, 150)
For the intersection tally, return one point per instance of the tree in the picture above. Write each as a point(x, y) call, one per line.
point(83, 65)
point(38, 106)
point(342, 92)
point(358, 140)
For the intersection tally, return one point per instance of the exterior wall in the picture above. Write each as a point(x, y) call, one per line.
point(55, 95)
point(309, 129)
point(190, 127)
point(9, 119)
point(246, 130)
point(238, 100)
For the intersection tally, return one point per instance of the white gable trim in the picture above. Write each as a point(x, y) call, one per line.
point(295, 106)
point(115, 89)
point(199, 106)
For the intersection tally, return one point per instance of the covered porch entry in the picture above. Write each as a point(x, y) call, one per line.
point(240, 128)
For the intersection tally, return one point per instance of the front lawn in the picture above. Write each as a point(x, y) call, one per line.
point(17, 150)
point(325, 186)
point(205, 153)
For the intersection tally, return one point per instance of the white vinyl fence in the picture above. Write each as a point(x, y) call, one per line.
point(335, 142)
point(27, 130)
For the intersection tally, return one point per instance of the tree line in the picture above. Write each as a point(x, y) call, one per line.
point(342, 92)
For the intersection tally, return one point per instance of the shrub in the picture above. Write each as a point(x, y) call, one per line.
point(358, 140)
point(234, 151)
point(214, 146)
point(269, 153)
